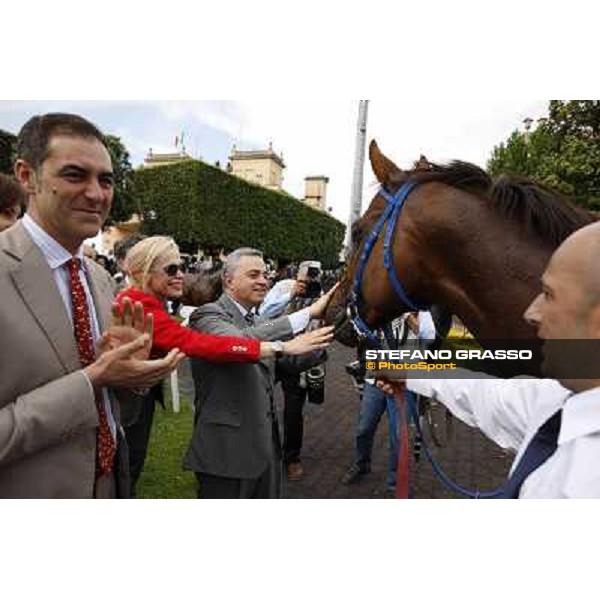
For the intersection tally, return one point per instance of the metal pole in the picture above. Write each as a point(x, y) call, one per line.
point(359, 166)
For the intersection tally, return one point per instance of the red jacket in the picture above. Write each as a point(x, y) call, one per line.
point(169, 334)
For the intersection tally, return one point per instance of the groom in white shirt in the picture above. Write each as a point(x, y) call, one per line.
point(552, 424)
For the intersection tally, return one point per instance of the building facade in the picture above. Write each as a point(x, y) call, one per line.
point(315, 193)
point(160, 160)
point(261, 167)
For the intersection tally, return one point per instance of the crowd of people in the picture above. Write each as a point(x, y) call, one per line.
point(92, 339)
point(89, 357)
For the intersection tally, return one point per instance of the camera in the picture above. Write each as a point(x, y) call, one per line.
point(313, 287)
point(315, 385)
point(313, 290)
point(313, 381)
point(357, 370)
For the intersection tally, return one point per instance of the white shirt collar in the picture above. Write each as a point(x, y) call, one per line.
point(581, 416)
point(55, 254)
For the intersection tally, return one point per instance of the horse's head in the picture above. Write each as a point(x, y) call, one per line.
point(377, 303)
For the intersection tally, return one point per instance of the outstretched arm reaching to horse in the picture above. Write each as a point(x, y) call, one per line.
point(503, 409)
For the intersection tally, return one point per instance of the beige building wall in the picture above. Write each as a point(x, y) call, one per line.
point(160, 160)
point(261, 167)
point(315, 193)
point(119, 232)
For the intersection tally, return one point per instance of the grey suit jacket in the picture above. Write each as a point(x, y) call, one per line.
point(233, 433)
point(48, 415)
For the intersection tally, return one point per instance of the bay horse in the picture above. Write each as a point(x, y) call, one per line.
point(475, 246)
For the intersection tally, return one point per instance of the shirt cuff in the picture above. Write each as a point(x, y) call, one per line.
point(89, 383)
point(299, 320)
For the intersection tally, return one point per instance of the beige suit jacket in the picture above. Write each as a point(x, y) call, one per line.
point(48, 416)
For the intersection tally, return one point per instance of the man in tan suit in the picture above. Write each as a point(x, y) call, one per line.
point(60, 435)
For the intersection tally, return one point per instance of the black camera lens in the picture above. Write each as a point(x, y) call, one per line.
point(313, 290)
point(357, 371)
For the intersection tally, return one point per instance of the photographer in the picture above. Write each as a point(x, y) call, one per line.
point(291, 295)
point(374, 402)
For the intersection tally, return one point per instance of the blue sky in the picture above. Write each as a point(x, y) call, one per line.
point(316, 137)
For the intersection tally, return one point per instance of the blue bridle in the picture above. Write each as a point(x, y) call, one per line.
point(390, 216)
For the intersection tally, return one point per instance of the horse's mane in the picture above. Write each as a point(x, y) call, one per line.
point(543, 211)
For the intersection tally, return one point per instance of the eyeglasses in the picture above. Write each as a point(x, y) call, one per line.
point(172, 270)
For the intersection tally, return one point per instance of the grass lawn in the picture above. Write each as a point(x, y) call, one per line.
point(163, 476)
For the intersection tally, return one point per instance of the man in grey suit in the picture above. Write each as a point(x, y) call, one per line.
point(58, 414)
point(235, 449)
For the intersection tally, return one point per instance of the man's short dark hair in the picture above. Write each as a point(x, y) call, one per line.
point(33, 139)
point(11, 193)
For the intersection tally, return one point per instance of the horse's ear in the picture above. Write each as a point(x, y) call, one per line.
point(383, 167)
point(423, 164)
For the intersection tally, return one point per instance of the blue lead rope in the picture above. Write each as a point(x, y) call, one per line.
point(411, 400)
point(413, 414)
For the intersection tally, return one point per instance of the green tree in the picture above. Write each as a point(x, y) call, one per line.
point(510, 157)
point(562, 151)
point(8, 142)
point(124, 203)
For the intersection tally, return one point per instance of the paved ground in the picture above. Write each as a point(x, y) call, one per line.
point(328, 449)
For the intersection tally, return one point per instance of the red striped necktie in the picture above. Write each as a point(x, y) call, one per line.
point(105, 444)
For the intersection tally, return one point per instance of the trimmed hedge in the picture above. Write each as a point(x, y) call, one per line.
point(203, 207)
point(8, 143)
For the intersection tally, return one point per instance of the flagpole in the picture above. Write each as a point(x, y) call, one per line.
point(359, 168)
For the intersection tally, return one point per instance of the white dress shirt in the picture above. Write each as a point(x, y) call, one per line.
point(510, 412)
point(277, 301)
point(57, 258)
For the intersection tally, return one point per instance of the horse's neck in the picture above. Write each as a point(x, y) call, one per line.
point(487, 276)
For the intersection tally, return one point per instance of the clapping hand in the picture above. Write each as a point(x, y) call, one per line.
point(129, 322)
point(124, 352)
